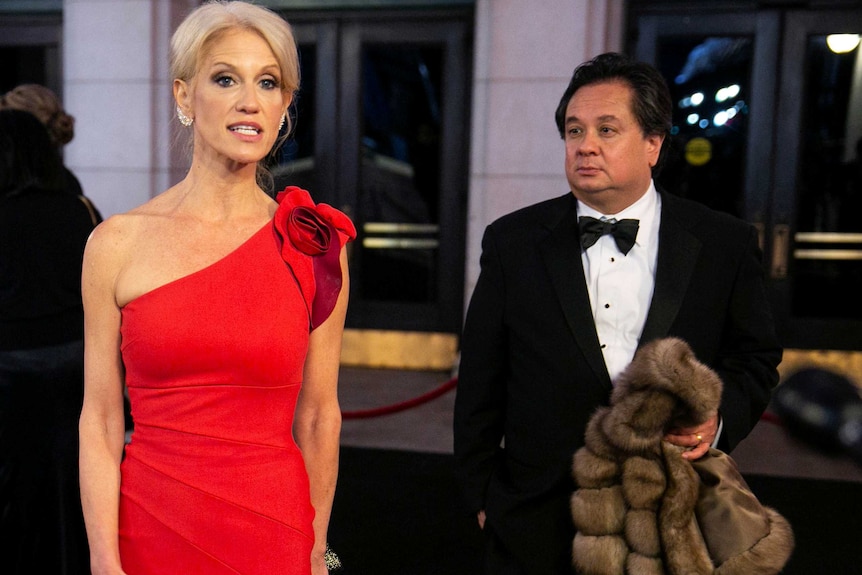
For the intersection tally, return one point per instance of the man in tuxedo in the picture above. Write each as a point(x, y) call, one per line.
point(568, 290)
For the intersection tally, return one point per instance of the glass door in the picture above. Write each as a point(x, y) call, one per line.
point(767, 121)
point(308, 158)
point(720, 70)
point(381, 132)
point(817, 262)
point(403, 144)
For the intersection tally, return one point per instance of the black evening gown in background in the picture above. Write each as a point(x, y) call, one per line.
point(41, 526)
point(42, 238)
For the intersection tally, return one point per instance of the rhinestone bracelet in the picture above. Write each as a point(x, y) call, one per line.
point(333, 563)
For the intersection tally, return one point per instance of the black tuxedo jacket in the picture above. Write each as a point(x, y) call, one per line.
point(532, 371)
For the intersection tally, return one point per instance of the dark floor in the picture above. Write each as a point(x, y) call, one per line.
point(396, 509)
point(396, 513)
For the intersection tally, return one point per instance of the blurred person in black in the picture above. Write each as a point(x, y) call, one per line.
point(43, 230)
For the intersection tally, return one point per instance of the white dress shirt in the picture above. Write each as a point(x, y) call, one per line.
point(621, 286)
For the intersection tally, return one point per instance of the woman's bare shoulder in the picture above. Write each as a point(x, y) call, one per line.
point(114, 234)
point(113, 241)
point(128, 227)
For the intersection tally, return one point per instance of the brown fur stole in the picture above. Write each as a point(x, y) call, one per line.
point(640, 508)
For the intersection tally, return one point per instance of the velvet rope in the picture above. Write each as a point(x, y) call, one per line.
point(770, 417)
point(403, 405)
point(445, 388)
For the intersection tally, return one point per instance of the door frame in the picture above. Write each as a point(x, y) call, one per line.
point(39, 31)
point(393, 334)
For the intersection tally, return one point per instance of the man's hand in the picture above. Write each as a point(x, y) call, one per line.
point(696, 440)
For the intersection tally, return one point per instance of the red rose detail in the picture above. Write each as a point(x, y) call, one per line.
point(316, 231)
point(311, 234)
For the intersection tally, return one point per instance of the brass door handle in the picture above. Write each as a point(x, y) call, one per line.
point(780, 251)
point(761, 233)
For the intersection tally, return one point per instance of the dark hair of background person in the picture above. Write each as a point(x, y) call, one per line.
point(27, 157)
point(651, 102)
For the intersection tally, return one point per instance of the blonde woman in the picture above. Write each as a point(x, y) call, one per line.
point(222, 312)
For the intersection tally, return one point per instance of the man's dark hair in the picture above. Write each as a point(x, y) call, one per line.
point(651, 102)
point(27, 157)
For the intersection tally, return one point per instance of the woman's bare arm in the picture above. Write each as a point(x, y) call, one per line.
point(102, 423)
point(317, 426)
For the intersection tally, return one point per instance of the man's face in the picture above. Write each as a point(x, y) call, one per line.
point(608, 157)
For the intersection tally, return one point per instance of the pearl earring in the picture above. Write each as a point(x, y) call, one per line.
point(184, 120)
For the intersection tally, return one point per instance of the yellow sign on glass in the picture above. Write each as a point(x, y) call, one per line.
point(698, 151)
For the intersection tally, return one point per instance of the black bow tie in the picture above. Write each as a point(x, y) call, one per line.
point(624, 232)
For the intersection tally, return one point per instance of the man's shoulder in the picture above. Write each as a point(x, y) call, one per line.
point(542, 213)
point(702, 218)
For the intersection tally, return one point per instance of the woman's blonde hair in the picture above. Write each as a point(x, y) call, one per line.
point(45, 105)
point(211, 20)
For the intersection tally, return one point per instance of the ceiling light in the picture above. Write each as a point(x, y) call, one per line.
point(842, 43)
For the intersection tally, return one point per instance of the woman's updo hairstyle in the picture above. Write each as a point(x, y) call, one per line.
point(45, 105)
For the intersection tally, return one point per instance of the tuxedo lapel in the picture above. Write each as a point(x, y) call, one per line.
point(561, 252)
point(677, 254)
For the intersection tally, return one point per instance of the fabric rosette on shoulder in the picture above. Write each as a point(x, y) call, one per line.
point(311, 237)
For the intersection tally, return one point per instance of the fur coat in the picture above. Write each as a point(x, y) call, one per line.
point(640, 508)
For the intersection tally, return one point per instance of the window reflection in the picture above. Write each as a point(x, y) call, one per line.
point(709, 80)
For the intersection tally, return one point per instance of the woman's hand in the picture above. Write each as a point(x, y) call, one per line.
point(318, 565)
point(112, 569)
